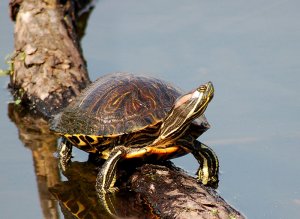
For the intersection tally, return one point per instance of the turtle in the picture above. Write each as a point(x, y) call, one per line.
point(126, 116)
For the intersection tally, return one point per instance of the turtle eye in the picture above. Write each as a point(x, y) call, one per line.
point(207, 89)
point(202, 88)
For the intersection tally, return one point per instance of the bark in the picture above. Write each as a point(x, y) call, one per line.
point(49, 71)
point(174, 194)
point(48, 66)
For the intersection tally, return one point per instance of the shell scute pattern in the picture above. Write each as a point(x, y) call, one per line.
point(118, 103)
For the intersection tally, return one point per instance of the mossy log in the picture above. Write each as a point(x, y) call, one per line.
point(49, 71)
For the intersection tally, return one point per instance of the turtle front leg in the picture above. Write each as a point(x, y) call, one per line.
point(209, 164)
point(65, 153)
point(106, 177)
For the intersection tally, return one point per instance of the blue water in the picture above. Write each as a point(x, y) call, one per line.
point(249, 50)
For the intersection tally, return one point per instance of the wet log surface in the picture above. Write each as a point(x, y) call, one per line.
point(49, 71)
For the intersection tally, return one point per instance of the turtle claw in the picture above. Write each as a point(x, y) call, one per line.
point(65, 154)
point(63, 165)
point(113, 189)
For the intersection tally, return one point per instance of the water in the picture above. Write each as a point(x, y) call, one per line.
point(251, 52)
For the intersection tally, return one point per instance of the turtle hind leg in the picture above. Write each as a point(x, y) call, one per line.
point(107, 175)
point(209, 164)
point(65, 153)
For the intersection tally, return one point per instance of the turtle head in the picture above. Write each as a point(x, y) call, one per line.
point(196, 101)
point(186, 109)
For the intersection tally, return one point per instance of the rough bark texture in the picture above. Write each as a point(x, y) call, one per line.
point(49, 69)
point(174, 194)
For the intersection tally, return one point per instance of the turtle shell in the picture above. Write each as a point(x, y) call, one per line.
point(120, 103)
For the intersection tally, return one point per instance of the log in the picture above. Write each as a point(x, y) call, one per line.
point(175, 194)
point(48, 67)
point(148, 191)
point(49, 71)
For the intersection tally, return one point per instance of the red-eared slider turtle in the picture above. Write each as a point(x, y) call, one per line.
point(123, 116)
